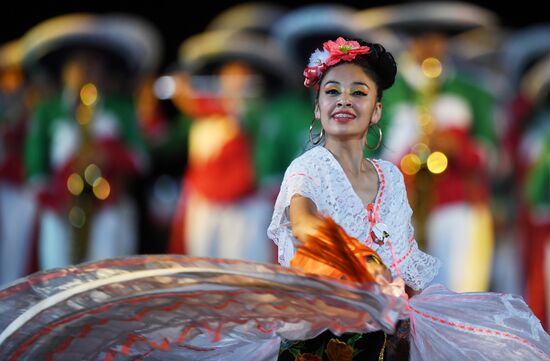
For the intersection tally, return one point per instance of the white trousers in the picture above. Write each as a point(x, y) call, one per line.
point(17, 212)
point(113, 233)
point(461, 236)
point(234, 230)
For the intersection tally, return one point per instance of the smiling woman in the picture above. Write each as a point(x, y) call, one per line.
point(364, 196)
point(349, 77)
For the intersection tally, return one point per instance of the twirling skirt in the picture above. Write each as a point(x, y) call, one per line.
point(181, 308)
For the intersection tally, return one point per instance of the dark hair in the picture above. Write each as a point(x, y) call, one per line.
point(378, 64)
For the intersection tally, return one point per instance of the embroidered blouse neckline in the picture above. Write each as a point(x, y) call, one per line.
point(377, 169)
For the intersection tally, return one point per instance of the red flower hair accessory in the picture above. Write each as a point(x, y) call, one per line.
point(333, 52)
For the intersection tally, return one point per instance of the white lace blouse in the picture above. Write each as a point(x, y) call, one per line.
point(317, 175)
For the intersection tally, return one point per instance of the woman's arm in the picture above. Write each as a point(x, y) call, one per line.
point(304, 218)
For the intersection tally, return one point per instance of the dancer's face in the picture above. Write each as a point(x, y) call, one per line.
point(347, 102)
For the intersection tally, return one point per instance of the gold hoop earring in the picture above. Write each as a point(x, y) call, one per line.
point(321, 134)
point(379, 138)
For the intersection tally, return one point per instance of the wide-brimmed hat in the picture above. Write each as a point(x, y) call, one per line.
point(306, 28)
point(132, 41)
point(253, 16)
point(204, 53)
point(419, 17)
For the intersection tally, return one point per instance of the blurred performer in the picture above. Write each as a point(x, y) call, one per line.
point(84, 146)
point(17, 206)
point(440, 132)
point(528, 143)
point(276, 131)
point(230, 71)
point(479, 54)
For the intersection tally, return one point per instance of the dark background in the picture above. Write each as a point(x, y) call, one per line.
point(176, 19)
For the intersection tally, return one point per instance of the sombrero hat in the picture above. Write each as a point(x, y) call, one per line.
point(451, 18)
point(131, 42)
point(204, 53)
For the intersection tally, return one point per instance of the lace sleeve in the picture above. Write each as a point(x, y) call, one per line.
point(416, 267)
point(300, 178)
point(420, 268)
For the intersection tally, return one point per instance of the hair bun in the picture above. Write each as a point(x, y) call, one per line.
point(384, 65)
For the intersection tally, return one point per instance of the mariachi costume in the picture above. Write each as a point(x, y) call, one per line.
point(84, 144)
point(438, 128)
point(221, 212)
